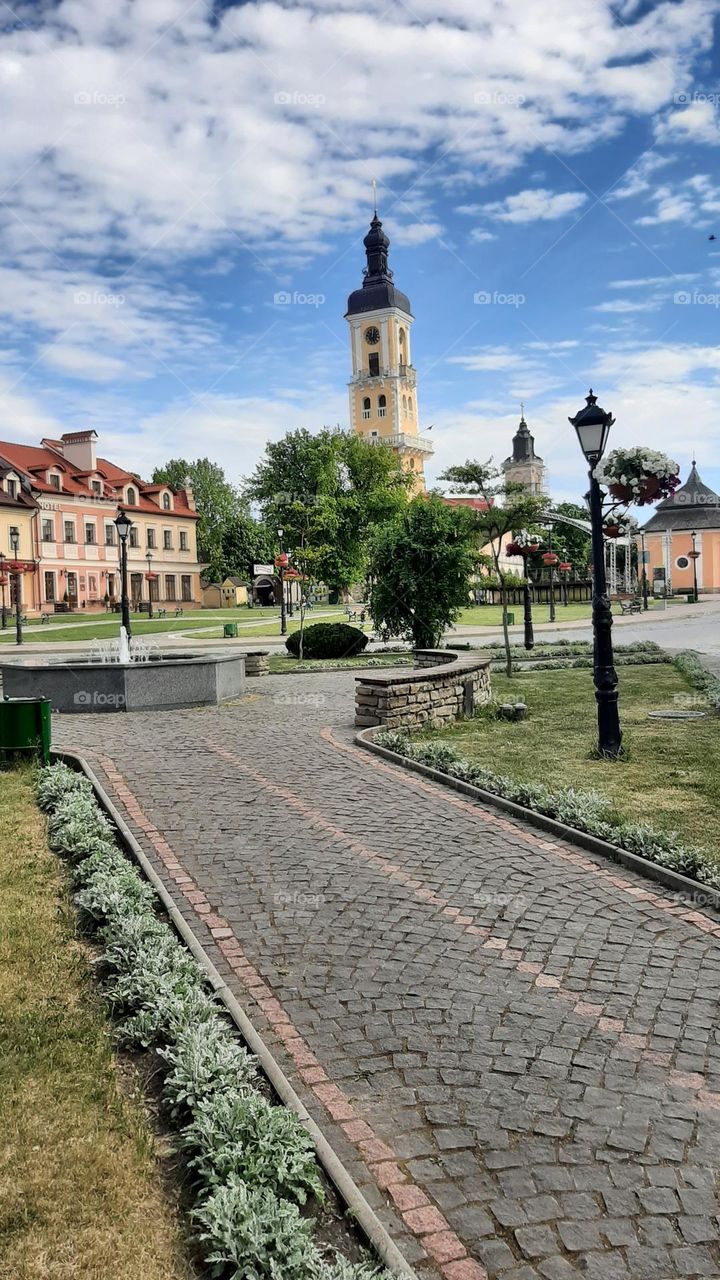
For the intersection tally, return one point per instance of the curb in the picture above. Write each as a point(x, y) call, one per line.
point(703, 895)
point(347, 1188)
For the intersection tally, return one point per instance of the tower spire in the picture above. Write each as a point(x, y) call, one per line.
point(374, 197)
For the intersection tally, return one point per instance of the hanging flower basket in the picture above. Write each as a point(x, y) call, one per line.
point(611, 530)
point(523, 544)
point(565, 566)
point(549, 558)
point(638, 475)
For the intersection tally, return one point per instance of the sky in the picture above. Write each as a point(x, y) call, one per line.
point(173, 172)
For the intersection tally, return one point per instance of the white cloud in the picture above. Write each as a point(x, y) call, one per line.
point(620, 305)
point(535, 205)
point(479, 235)
point(698, 122)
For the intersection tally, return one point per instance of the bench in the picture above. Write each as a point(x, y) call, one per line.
point(161, 613)
point(630, 606)
point(179, 612)
point(44, 617)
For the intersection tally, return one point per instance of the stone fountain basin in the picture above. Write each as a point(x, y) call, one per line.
point(163, 682)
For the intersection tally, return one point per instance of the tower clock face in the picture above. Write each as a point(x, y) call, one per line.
point(372, 336)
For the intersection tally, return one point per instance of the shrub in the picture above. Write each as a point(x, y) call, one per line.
point(328, 640)
point(204, 1061)
point(259, 1236)
point(689, 663)
point(57, 781)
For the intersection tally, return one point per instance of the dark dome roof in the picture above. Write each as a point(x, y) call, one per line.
point(378, 290)
point(693, 506)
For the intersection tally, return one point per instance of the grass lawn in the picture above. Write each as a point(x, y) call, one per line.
point(80, 1190)
point(256, 622)
point(671, 778)
point(281, 665)
point(490, 615)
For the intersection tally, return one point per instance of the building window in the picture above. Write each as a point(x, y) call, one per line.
point(89, 534)
point(54, 480)
point(48, 531)
point(69, 528)
point(412, 464)
point(72, 589)
point(12, 488)
point(111, 585)
point(96, 486)
point(374, 364)
point(154, 588)
point(404, 404)
point(410, 406)
point(166, 502)
point(366, 407)
point(682, 562)
point(183, 540)
point(373, 434)
point(92, 586)
point(382, 406)
point(109, 535)
point(133, 537)
point(186, 586)
point(167, 540)
point(151, 538)
point(50, 587)
point(169, 586)
point(131, 497)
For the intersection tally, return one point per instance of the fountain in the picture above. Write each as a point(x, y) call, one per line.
point(126, 674)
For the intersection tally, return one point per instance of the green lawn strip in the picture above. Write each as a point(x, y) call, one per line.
point(209, 623)
point(281, 665)
point(670, 780)
point(81, 1192)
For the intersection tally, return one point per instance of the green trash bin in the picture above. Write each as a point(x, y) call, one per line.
point(230, 629)
point(25, 728)
point(511, 619)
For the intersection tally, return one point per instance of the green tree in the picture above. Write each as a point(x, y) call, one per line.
point(219, 505)
point(507, 509)
point(420, 568)
point(577, 543)
point(353, 485)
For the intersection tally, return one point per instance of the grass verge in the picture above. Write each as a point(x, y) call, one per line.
point(670, 779)
point(81, 1191)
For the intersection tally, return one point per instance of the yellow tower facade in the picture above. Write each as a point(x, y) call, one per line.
point(383, 387)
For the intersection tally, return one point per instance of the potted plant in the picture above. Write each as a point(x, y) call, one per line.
point(523, 544)
point(638, 475)
point(549, 558)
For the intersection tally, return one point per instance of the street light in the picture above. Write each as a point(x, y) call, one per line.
point(2, 587)
point(124, 524)
point(644, 570)
point(694, 557)
point(148, 557)
point(15, 544)
point(281, 565)
point(592, 425)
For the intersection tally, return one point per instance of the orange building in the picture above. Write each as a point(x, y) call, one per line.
point(692, 509)
point(75, 497)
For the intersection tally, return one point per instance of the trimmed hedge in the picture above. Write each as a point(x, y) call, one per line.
point(252, 1163)
point(328, 640)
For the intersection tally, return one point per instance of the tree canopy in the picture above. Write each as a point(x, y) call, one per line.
point(229, 538)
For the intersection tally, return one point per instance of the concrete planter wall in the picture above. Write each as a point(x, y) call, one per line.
point(444, 686)
point(163, 684)
point(257, 663)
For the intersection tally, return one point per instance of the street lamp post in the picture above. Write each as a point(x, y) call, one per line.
point(15, 544)
point(694, 557)
point(281, 566)
point(644, 570)
point(148, 557)
point(592, 425)
point(529, 638)
point(552, 575)
point(2, 586)
point(123, 524)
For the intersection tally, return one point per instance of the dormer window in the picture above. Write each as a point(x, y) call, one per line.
point(166, 501)
point(54, 480)
point(11, 488)
point(96, 486)
point(131, 497)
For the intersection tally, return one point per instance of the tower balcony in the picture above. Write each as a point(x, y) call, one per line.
point(406, 372)
point(403, 442)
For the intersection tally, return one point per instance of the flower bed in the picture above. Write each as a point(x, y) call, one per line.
point(252, 1163)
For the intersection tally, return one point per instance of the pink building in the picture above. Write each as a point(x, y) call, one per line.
point(75, 541)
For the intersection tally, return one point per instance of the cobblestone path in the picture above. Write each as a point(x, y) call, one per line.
point(512, 1045)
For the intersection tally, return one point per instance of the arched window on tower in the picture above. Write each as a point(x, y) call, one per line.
point(410, 406)
point(403, 353)
point(404, 404)
point(382, 406)
point(366, 407)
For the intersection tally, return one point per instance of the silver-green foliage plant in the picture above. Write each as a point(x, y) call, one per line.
point(254, 1235)
point(204, 1061)
point(241, 1134)
point(57, 781)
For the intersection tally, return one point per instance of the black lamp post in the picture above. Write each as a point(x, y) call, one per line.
point(644, 570)
point(148, 557)
point(694, 557)
point(15, 544)
point(123, 524)
point(283, 614)
point(552, 574)
point(592, 425)
point(2, 584)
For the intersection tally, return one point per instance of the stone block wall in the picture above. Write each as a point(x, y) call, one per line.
point(448, 690)
point(256, 663)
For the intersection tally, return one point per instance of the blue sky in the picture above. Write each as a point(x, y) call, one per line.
point(547, 174)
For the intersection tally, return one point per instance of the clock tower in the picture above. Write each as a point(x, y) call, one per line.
point(383, 392)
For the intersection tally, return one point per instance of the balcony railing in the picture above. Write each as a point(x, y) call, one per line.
point(403, 440)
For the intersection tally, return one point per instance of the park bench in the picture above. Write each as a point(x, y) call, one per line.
point(179, 612)
point(631, 606)
point(44, 617)
point(161, 613)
